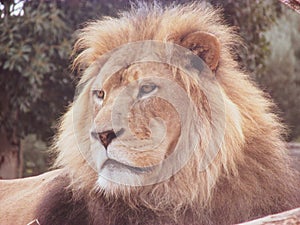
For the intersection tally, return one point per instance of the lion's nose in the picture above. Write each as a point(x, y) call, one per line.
point(105, 137)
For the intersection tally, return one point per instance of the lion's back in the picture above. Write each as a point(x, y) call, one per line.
point(19, 198)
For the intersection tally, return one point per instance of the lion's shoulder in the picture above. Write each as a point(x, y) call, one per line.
point(22, 196)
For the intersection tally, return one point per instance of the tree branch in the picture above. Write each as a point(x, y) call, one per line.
point(294, 4)
point(288, 217)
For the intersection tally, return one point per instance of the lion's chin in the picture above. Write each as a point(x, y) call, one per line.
point(114, 175)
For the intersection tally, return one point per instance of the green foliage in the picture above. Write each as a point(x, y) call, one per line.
point(252, 19)
point(34, 54)
point(282, 76)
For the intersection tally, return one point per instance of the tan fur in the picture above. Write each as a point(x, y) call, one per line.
point(251, 174)
point(253, 159)
point(19, 198)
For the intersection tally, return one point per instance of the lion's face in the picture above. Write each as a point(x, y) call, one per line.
point(151, 123)
point(133, 129)
point(146, 117)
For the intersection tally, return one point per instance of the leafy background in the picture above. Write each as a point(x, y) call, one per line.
point(36, 83)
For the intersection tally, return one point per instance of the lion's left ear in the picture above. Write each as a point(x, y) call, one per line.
point(205, 45)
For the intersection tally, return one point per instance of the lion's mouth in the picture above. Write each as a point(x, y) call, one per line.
point(113, 164)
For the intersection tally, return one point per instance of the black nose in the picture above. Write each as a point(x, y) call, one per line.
point(105, 137)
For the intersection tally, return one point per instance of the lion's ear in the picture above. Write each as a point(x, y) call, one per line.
point(205, 45)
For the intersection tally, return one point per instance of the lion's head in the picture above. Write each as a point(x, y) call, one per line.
point(156, 127)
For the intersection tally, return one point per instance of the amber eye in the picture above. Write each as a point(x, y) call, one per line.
point(99, 94)
point(147, 88)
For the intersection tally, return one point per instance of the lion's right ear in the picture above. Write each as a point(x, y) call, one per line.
point(205, 45)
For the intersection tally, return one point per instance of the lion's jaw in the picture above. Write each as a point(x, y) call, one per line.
point(147, 133)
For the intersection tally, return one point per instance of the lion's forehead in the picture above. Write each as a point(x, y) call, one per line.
point(137, 72)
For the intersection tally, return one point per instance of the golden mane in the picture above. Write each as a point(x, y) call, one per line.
point(251, 175)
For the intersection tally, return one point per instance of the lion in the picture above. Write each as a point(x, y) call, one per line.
point(153, 143)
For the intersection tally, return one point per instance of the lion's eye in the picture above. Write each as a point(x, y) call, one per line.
point(99, 94)
point(147, 88)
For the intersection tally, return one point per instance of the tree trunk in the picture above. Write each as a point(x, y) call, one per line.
point(10, 151)
point(10, 157)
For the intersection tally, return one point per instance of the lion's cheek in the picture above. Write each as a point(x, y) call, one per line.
point(157, 120)
point(141, 114)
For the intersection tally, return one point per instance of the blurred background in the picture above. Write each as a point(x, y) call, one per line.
point(36, 83)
